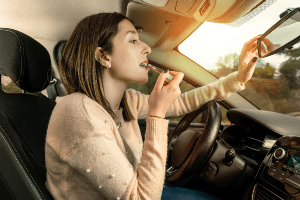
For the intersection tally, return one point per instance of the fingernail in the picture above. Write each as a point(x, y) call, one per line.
point(166, 71)
point(259, 35)
point(254, 59)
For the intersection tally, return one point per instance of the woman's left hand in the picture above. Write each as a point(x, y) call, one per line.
point(247, 60)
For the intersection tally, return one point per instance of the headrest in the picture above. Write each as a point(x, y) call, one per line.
point(57, 51)
point(24, 60)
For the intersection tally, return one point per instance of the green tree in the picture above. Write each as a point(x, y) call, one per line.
point(286, 92)
point(257, 71)
point(290, 69)
point(269, 71)
point(292, 53)
point(227, 65)
point(259, 68)
point(230, 63)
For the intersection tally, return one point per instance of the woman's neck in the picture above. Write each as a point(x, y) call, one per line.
point(114, 90)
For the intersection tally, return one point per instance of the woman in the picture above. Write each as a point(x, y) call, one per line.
point(87, 155)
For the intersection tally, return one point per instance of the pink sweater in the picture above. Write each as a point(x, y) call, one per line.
point(86, 157)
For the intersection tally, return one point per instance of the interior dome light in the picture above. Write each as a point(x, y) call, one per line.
point(159, 3)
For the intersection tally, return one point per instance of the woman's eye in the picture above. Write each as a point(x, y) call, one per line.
point(133, 41)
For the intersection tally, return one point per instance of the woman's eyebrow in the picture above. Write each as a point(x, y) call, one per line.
point(131, 31)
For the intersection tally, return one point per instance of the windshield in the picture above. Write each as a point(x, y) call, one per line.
point(275, 84)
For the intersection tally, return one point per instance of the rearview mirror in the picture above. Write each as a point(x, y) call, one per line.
point(282, 35)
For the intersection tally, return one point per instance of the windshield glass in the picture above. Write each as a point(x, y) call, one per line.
point(275, 84)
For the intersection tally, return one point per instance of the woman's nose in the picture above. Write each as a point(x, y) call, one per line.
point(147, 49)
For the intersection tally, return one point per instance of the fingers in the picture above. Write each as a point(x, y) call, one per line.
point(252, 40)
point(178, 76)
point(160, 81)
point(174, 73)
point(253, 46)
point(255, 51)
point(250, 46)
point(263, 46)
point(252, 63)
point(246, 74)
point(263, 49)
point(267, 41)
point(269, 44)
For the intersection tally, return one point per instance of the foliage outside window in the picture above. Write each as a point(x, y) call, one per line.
point(269, 89)
point(9, 86)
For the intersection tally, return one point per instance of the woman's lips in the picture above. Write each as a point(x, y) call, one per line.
point(144, 65)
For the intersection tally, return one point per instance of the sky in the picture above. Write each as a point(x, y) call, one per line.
point(213, 40)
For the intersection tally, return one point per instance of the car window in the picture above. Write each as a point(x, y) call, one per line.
point(275, 84)
point(184, 87)
point(9, 86)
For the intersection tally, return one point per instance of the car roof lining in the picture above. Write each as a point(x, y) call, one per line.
point(55, 20)
point(52, 20)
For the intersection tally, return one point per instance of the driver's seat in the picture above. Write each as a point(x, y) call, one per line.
point(24, 117)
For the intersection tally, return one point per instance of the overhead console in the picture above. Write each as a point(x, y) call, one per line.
point(218, 11)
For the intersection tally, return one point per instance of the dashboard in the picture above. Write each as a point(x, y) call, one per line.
point(278, 175)
point(251, 158)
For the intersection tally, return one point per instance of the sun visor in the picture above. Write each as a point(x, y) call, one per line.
point(218, 11)
point(237, 9)
point(153, 21)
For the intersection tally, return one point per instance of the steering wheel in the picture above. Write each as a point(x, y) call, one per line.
point(189, 150)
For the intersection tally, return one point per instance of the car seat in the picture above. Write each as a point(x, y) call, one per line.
point(24, 117)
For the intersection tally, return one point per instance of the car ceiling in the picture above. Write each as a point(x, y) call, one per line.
point(51, 20)
point(54, 20)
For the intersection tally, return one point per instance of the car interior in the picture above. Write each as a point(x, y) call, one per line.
point(254, 155)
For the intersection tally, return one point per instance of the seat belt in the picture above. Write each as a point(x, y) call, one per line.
point(51, 89)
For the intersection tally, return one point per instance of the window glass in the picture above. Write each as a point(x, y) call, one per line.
point(9, 86)
point(184, 87)
point(275, 85)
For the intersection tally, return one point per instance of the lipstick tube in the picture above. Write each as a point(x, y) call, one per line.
point(167, 80)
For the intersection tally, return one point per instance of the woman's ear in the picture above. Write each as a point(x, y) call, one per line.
point(101, 57)
point(98, 54)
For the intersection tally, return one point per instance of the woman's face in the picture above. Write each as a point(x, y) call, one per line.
point(128, 53)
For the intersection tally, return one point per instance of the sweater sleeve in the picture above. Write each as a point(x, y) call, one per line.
point(192, 100)
point(100, 161)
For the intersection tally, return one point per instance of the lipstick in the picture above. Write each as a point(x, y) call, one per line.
point(169, 77)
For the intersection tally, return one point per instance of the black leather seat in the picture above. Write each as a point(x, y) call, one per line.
point(24, 117)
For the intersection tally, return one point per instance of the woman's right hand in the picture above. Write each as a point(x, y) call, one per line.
point(162, 96)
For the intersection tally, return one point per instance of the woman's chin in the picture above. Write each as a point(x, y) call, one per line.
point(142, 81)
